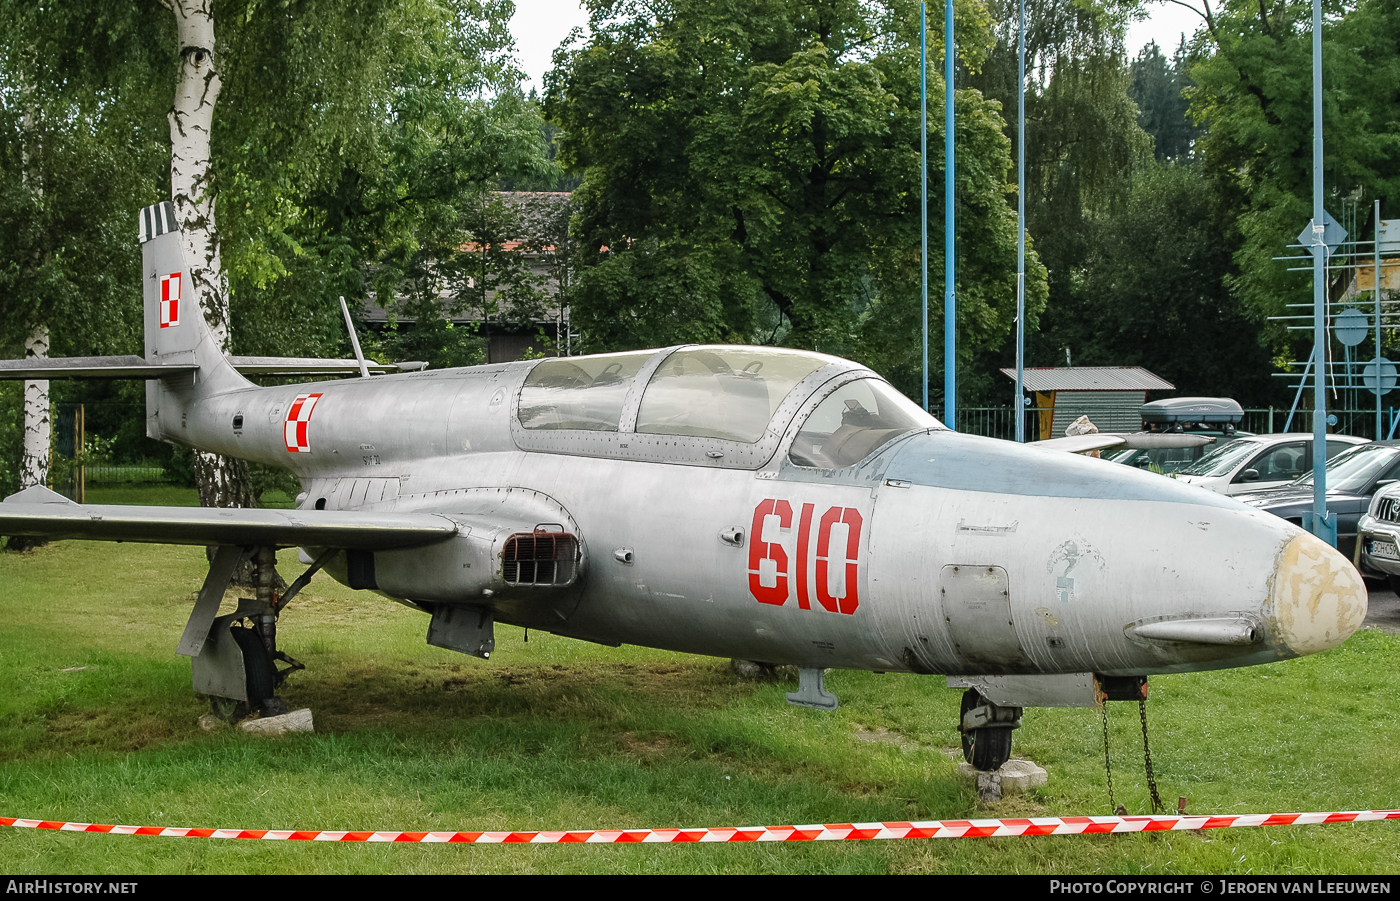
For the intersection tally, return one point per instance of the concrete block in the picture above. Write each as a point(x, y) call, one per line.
point(296, 721)
point(1016, 775)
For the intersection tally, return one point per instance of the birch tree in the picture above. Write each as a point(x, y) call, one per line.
point(38, 430)
point(222, 481)
point(340, 137)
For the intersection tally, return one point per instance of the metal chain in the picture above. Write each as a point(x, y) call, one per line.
point(1107, 767)
point(1157, 805)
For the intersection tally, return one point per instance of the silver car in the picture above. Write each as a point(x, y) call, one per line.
point(1260, 462)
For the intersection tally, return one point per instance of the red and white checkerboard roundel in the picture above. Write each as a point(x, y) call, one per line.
point(170, 300)
point(294, 430)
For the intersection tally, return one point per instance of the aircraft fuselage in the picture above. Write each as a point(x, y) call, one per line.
point(940, 553)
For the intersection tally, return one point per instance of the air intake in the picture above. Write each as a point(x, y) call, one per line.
point(548, 559)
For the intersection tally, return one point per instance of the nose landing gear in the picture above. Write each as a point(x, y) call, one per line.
point(986, 731)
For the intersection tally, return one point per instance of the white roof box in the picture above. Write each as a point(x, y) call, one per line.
point(1193, 409)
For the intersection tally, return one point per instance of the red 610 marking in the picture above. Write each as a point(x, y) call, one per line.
point(779, 592)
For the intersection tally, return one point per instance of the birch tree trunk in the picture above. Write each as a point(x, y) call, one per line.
point(222, 481)
point(38, 426)
point(34, 468)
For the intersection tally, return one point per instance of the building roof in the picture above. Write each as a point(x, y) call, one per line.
point(1091, 378)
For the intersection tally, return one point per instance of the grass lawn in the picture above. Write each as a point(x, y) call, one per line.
point(98, 724)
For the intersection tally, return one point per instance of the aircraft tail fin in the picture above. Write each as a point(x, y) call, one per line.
point(177, 335)
point(180, 360)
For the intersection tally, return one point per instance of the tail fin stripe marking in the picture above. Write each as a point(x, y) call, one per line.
point(154, 221)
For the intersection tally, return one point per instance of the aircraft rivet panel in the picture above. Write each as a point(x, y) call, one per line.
point(976, 602)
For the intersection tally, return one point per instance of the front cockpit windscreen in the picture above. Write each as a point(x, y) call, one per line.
point(853, 422)
point(728, 393)
point(579, 392)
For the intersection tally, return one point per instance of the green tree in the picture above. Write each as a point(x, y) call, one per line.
point(1158, 88)
point(71, 149)
point(355, 156)
point(340, 143)
point(1083, 141)
point(1154, 292)
point(1254, 96)
point(751, 174)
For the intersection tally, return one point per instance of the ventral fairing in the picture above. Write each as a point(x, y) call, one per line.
point(760, 503)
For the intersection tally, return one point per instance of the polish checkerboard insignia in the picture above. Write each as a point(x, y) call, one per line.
point(297, 422)
point(170, 300)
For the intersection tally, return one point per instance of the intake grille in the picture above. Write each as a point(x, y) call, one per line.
point(1388, 509)
point(540, 558)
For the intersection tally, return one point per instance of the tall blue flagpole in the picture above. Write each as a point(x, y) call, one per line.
point(950, 308)
point(1323, 525)
point(1021, 223)
point(923, 179)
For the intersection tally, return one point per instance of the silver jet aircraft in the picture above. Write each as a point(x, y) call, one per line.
point(749, 502)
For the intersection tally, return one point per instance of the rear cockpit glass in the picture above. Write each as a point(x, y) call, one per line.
point(728, 393)
point(853, 422)
point(580, 392)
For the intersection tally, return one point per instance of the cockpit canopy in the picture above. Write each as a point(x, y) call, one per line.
point(852, 422)
point(580, 392)
point(718, 396)
point(727, 393)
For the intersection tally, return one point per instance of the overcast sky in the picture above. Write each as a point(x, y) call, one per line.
point(1167, 24)
point(539, 26)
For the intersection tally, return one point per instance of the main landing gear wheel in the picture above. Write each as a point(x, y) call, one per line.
point(260, 676)
point(258, 669)
point(988, 747)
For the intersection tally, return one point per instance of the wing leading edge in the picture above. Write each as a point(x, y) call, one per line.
point(42, 513)
point(1079, 444)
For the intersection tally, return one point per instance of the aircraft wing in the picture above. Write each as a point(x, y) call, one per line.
point(133, 367)
point(42, 513)
point(1079, 444)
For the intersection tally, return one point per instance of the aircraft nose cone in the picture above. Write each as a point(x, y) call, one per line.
point(1318, 597)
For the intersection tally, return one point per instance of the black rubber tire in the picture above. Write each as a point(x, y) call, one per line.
point(986, 749)
point(990, 748)
point(258, 668)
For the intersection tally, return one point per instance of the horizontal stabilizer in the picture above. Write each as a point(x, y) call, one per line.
point(134, 367)
point(52, 516)
point(125, 367)
point(1078, 444)
point(314, 366)
point(1157, 440)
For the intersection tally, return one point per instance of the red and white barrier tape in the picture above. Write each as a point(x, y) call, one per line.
point(820, 833)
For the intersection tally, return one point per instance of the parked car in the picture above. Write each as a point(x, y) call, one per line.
point(1260, 462)
point(1378, 536)
point(1353, 478)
